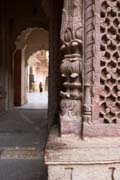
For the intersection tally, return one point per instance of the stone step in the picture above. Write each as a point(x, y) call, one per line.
point(24, 139)
point(21, 153)
point(22, 164)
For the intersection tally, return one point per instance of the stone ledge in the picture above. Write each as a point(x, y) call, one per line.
point(72, 150)
point(21, 153)
point(101, 130)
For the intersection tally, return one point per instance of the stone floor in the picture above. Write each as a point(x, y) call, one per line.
point(36, 100)
point(23, 136)
point(22, 170)
point(23, 127)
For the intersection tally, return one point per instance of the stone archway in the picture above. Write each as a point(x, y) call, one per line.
point(30, 41)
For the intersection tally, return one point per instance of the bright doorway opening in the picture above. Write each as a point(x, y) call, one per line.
point(31, 65)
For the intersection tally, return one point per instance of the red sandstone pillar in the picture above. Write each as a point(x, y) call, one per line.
point(71, 68)
point(94, 75)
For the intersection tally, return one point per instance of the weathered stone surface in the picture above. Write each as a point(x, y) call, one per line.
point(90, 150)
point(89, 56)
point(102, 40)
point(84, 172)
point(68, 157)
point(71, 68)
point(71, 158)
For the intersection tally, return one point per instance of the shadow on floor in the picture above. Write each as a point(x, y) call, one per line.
point(23, 128)
point(23, 135)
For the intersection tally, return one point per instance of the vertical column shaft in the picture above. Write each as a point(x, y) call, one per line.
point(71, 67)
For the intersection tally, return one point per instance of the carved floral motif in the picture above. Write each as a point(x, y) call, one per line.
point(71, 66)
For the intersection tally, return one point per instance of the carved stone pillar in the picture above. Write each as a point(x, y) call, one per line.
point(91, 67)
point(71, 67)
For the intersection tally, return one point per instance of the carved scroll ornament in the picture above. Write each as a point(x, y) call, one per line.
point(71, 66)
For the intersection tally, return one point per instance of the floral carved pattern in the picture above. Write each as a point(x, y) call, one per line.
point(71, 66)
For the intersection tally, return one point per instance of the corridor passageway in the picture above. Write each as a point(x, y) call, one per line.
point(36, 100)
point(29, 37)
point(23, 136)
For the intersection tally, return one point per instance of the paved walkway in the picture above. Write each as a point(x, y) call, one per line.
point(23, 136)
point(23, 128)
point(36, 100)
point(26, 126)
point(22, 169)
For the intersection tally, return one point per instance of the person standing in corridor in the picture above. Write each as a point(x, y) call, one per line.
point(40, 87)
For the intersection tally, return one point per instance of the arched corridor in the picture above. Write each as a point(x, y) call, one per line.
point(25, 125)
point(31, 64)
point(27, 27)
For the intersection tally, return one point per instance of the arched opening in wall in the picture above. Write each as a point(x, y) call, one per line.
point(31, 64)
point(37, 93)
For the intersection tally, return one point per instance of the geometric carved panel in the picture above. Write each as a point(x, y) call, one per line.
point(110, 62)
point(105, 88)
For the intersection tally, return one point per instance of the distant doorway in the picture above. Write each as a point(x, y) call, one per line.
point(37, 94)
point(31, 64)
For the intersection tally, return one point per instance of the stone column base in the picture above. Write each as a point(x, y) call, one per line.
point(70, 158)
